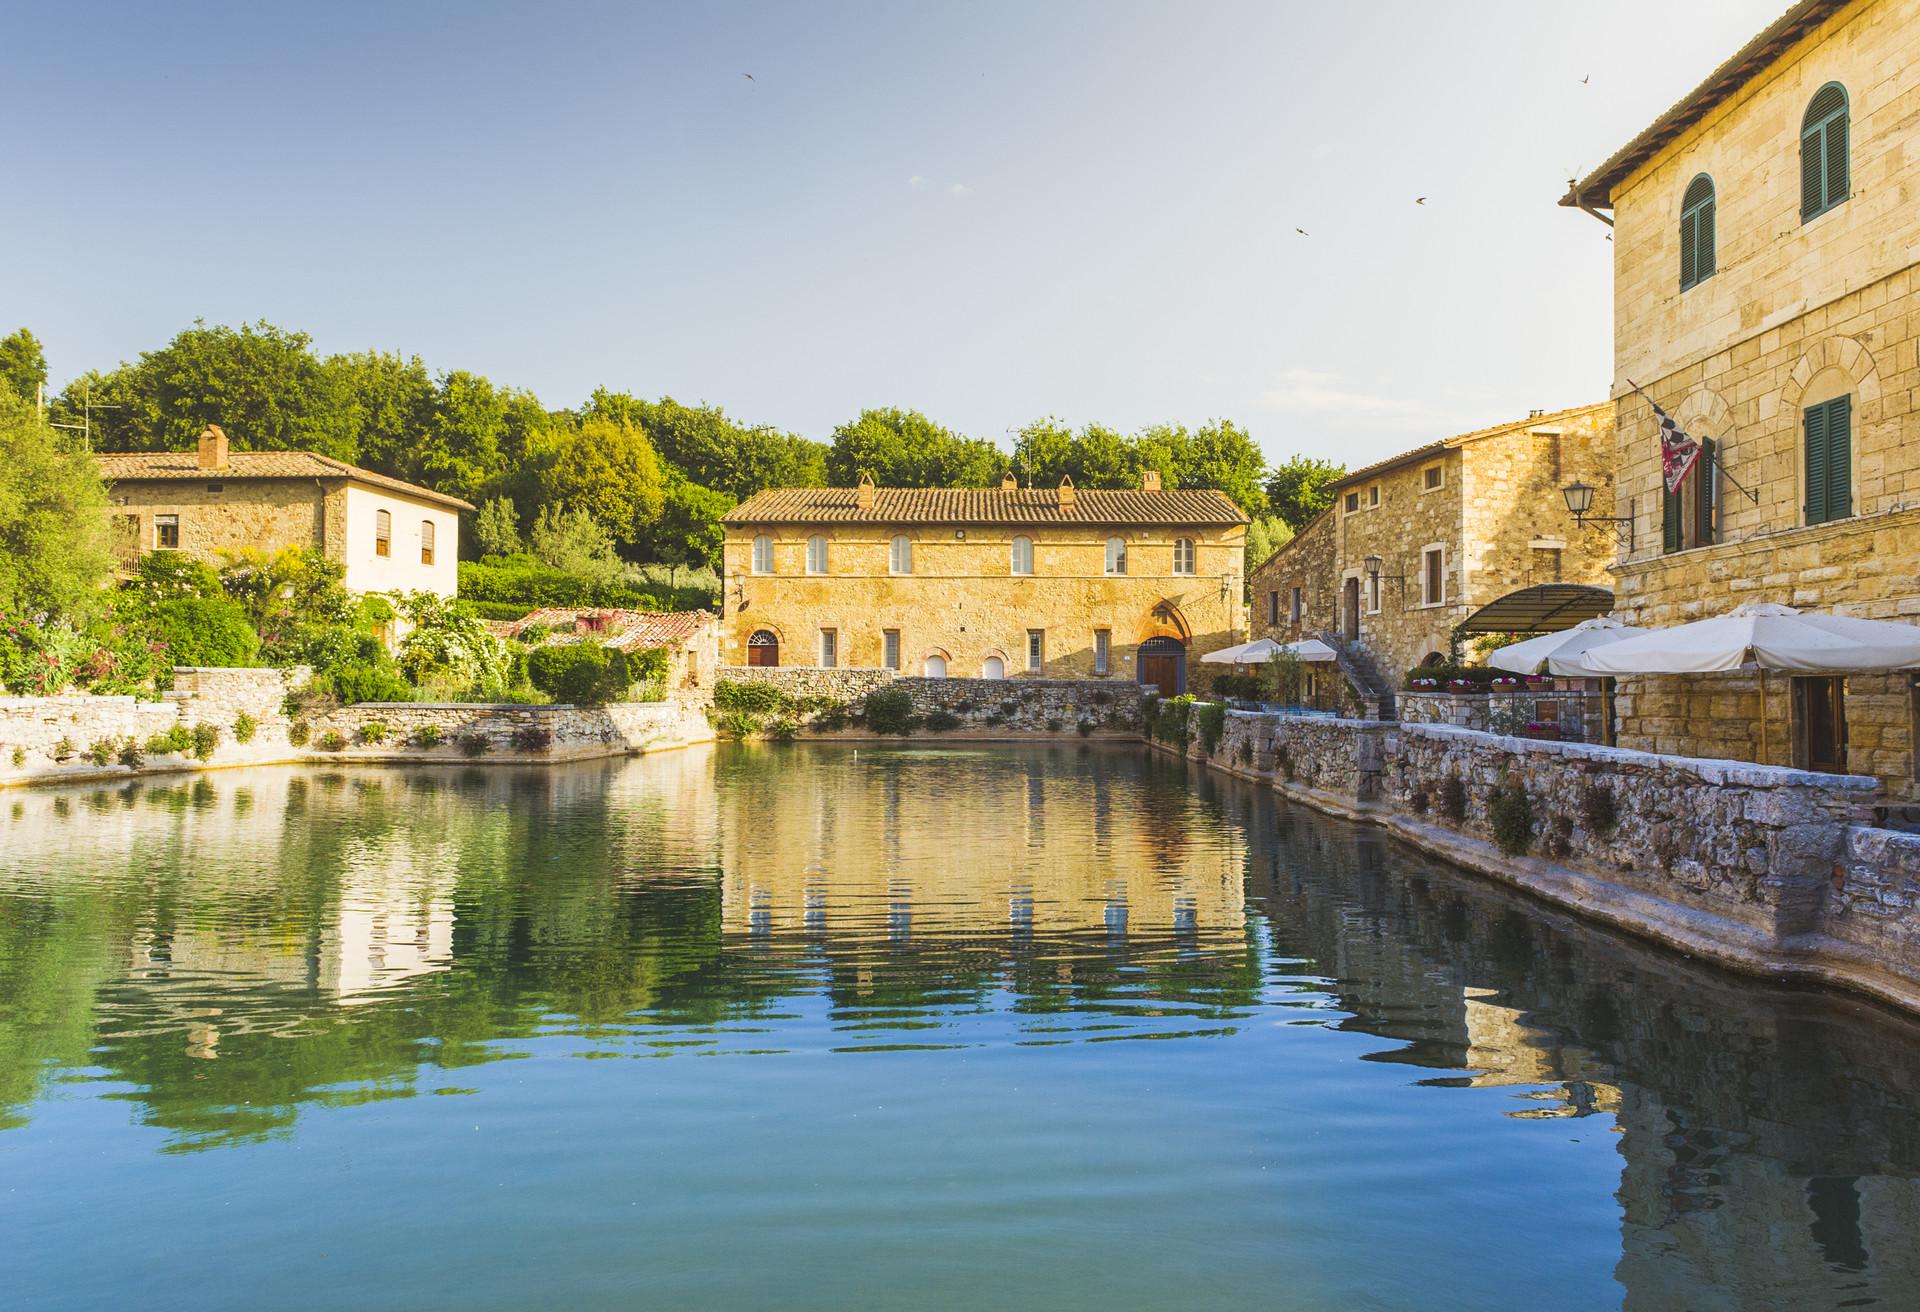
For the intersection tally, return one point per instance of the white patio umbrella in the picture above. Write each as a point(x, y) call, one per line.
point(1309, 649)
point(1242, 654)
point(1771, 636)
point(1563, 652)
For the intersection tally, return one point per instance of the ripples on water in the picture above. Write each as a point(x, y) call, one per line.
point(1059, 1027)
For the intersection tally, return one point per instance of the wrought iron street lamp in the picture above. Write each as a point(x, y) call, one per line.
point(1579, 497)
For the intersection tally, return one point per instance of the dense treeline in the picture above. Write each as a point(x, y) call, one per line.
point(653, 476)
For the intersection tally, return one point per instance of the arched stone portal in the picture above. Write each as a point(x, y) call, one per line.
point(1162, 664)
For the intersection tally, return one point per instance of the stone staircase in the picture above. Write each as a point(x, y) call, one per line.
point(1356, 664)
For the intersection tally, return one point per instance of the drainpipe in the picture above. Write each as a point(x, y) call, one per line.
point(1580, 202)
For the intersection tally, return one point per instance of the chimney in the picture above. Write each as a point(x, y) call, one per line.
point(1009, 483)
point(213, 448)
point(866, 492)
point(1066, 493)
point(1150, 481)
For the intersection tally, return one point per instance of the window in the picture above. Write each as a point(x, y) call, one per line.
point(1829, 428)
point(900, 556)
point(1036, 648)
point(763, 555)
point(1116, 556)
point(1819, 720)
point(1273, 607)
point(1431, 478)
point(426, 542)
point(1691, 516)
point(1433, 577)
point(1823, 152)
point(166, 532)
point(1102, 649)
point(1373, 496)
point(382, 533)
point(829, 648)
point(993, 668)
point(1353, 502)
point(936, 667)
point(1696, 232)
point(1023, 555)
point(1373, 594)
point(890, 649)
point(816, 555)
point(1299, 606)
point(1182, 556)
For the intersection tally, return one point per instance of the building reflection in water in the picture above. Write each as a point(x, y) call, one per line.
point(177, 937)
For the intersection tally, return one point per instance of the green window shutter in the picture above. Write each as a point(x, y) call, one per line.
point(1672, 529)
point(1689, 250)
point(1839, 457)
point(1812, 186)
point(1837, 181)
point(1696, 231)
point(1706, 487)
point(1816, 424)
point(1703, 261)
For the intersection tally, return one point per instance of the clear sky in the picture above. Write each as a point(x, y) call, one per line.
point(988, 212)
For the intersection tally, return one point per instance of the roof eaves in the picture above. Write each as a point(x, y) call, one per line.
point(1595, 191)
point(1462, 439)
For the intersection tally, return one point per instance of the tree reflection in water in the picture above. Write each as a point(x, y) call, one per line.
point(225, 953)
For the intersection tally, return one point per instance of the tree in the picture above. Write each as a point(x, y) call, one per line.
point(573, 542)
point(607, 470)
point(903, 448)
point(688, 531)
point(54, 547)
point(1264, 537)
point(23, 365)
point(262, 385)
point(1299, 490)
point(711, 450)
point(496, 529)
point(1223, 457)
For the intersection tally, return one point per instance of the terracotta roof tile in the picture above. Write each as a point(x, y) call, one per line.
point(185, 465)
point(633, 628)
point(1449, 443)
point(940, 505)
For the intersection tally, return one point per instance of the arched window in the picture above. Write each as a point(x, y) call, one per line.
point(900, 556)
point(1823, 152)
point(1023, 555)
point(936, 667)
point(816, 555)
point(1696, 232)
point(1116, 555)
point(1183, 555)
point(763, 648)
point(763, 555)
point(994, 668)
point(1829, 432)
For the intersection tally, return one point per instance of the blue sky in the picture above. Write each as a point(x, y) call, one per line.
point(988, 212)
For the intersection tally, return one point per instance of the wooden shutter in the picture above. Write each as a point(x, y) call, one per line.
point(1839, 457)
point(1706, 498)
point(1816, 425)
point(1836, 161)
point(1812, 185)
point(1689, 250)
point(1703, 261)
point(1672, 521)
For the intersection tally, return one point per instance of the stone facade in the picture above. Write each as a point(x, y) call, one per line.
point(1486, 508)
point(1798, 313)
point(842, 685)
point(961, 607)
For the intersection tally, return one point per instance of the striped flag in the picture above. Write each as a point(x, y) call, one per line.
point(1678, 452)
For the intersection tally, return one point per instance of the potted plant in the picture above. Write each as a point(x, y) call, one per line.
point(1425, 685)
point(1539, 682)
point(1543, 729)
point(1506, 685)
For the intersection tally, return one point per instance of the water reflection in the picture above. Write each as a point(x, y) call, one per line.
point(226, 954)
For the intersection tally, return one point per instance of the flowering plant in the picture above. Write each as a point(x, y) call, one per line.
point(1460, 685)
point(1426, 683)
point(1506, 683)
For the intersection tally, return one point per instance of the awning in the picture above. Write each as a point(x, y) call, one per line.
point(1564, 653)
point(1771, 636)
point(1544, 608)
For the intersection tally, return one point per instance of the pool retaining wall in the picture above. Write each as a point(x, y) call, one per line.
point(1768, 870)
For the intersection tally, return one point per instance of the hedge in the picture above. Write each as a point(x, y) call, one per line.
point(580, 674)
point(209, 631)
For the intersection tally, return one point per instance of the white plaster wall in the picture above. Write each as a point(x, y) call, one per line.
point(402, 571)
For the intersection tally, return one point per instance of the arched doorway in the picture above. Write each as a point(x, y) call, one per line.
point(936, 667)
point(1162, 664)
point(993, 668)
point(763, 648)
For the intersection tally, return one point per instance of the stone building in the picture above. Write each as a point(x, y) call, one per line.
point(691, 638)
point(390, 535)
point(1412, 545)
point(986, 583)
point(1764, 238)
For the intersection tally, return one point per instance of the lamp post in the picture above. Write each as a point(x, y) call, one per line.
point(1373, 565)
point(1579, 497)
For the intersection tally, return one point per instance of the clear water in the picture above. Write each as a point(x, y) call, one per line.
point(799, 1027)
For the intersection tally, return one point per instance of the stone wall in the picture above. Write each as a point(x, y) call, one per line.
point(221, 696)
point(843, 685)
point(466, 730)
point(1765, 869)
point(1028, 705)
point(49, 735)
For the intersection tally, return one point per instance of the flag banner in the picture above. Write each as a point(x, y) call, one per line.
point(1678, 452)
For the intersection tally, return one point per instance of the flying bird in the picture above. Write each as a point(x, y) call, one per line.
point(747, 76)
point(1301, 231)
point(1583, 81)
point(1420, 201)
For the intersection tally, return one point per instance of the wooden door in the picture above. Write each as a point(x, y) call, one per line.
point(763, 649)
point(1162, 671)
point(1820, 723)
point(1350, 605)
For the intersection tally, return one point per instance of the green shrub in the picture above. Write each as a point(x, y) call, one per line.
point(354, 684)
point(1512, 815)
point(1283, 761)
point(1598, 809)
point(942, 721)
point(1245, 687)
point(1084, 728)
point(206, 737)
point(1452, 802)
point(299, 732)
point(373, 732)
point(175, 739)
point(532, 738)
point(101, 753)
point(831, 719)
point(783, 729)
point(738, 724)
point(756, 698)
point(1055, 726)
point(19, 757)
point(427, 736)
point(331, 741)
point(1245, 753)
point(130, 754)
point(1170, 720)
point(1210, 720)
point(890, 711)
point(475, 744)
point(64, 750)
point(244, 727)
point(1419, 801)
point(580, 674)
point(204, 631)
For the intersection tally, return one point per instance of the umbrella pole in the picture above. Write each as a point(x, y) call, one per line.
point(1763, 715)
